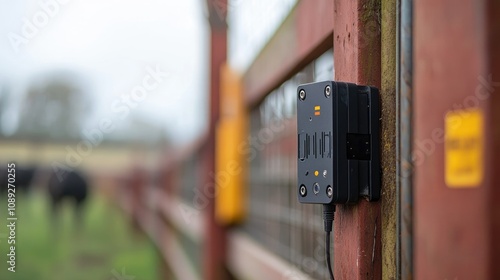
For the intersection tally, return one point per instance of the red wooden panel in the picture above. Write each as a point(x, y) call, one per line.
point(455, 227)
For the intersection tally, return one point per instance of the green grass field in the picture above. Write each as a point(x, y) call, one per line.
point(106, 246)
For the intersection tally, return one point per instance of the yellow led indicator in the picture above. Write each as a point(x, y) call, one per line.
point(464, 140)
point(316, 173)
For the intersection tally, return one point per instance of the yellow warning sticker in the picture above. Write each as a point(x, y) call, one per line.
point(464, 140)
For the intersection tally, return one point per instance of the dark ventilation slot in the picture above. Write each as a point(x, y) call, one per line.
point(302, 146)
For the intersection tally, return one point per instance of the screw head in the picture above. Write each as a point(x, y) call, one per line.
point(328, 91)
point(303, 190)
point(324, 173)
point(329, 191)
point(302, 94)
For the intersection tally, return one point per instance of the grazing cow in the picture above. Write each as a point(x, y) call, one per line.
point(71, 185)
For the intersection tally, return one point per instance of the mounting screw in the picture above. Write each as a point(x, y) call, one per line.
point(302, 94)
point(328, 91)
point(316, 188)
point(303, 190)
point(329, 191)
point(324, 173)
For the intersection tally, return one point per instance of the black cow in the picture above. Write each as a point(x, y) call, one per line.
point(70, 185)
point(22, 178)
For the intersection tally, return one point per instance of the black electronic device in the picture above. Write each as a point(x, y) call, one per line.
point(338, 126)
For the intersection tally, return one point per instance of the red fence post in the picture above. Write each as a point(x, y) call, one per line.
point(357, 246)
point(214, 245)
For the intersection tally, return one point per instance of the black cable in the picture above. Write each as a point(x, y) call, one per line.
point(328, 217)
point(328, 262)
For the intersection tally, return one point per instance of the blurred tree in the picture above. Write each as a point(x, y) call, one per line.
point(54, 109)
point(138, 129)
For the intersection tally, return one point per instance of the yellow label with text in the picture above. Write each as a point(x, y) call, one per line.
point(464, 140)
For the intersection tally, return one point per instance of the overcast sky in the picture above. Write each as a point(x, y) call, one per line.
point(111, 44)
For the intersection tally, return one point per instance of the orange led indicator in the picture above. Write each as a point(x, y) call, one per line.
point(317, 109)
